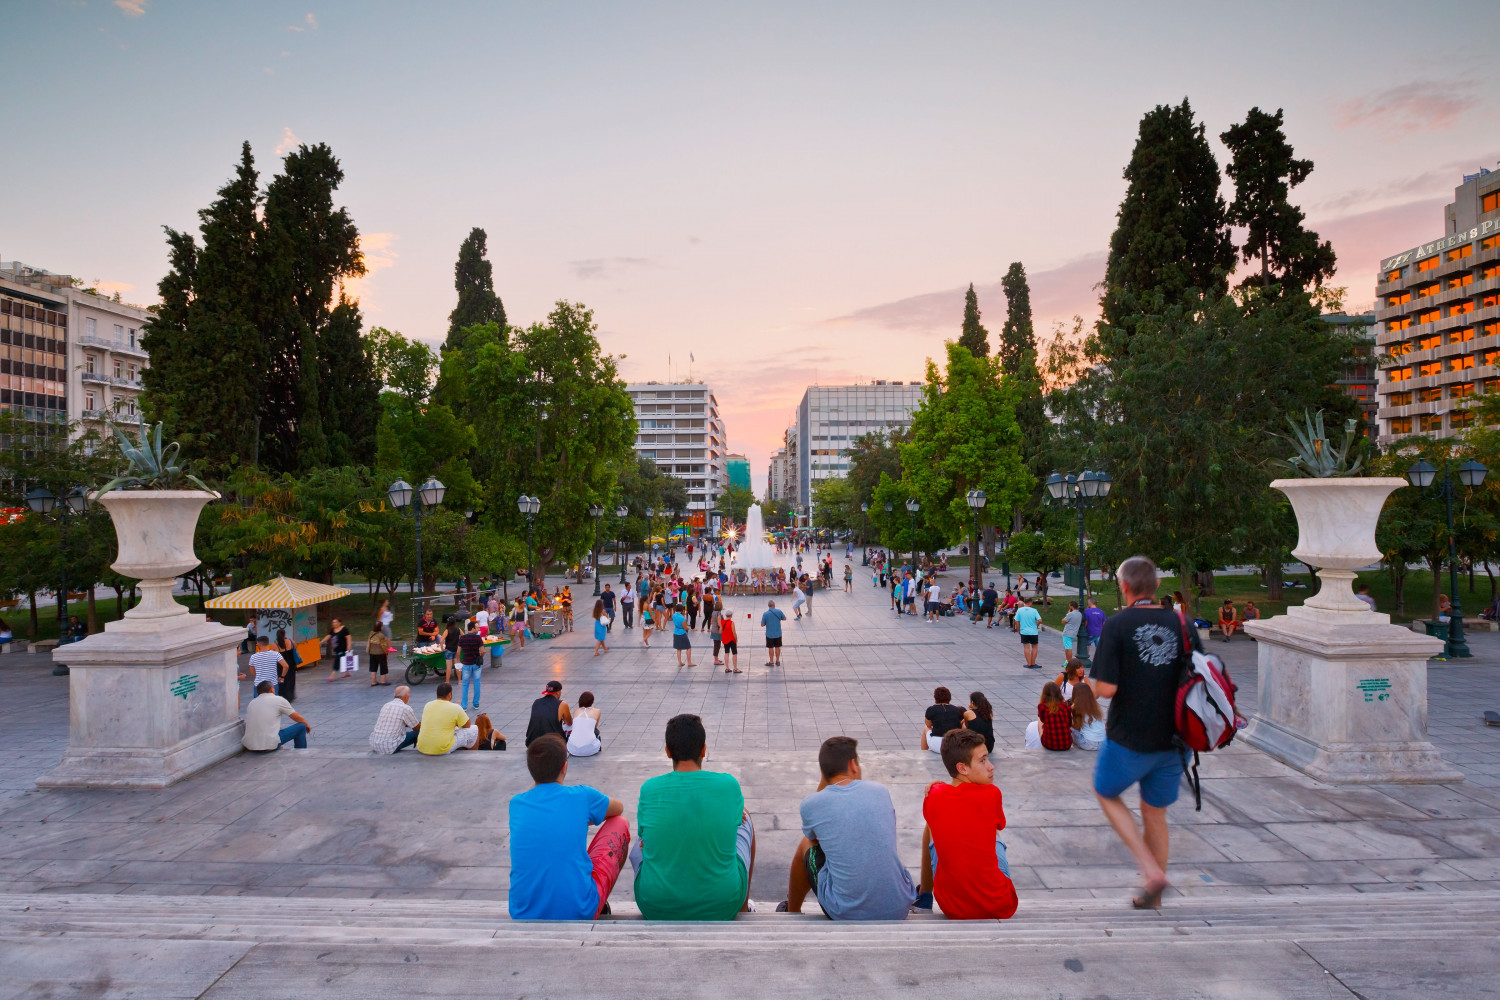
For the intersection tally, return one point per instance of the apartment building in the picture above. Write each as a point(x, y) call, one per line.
point(1359, 378)
point(67, 353)
point(776, 486)
point(678, 426)
point(831, 418)
point(1438, 305)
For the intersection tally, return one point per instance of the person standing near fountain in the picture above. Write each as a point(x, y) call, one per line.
point(771, 620)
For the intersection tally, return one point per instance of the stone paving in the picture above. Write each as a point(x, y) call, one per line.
point(335, 823)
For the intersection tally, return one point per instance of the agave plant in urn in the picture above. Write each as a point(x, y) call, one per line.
point(154, 503)
point(1336, 508)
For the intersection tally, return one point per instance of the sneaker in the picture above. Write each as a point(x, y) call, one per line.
point(781, 907)
point(923, 902)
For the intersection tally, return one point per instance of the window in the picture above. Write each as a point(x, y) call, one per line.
point(1493, 271)
point(1487, 301)
point(1400, 374)
point(1401, 347)
point(130, 336)
point(1461, 308)
point(89, 401)
point(1429, 422)
point(1430, 369)
point(91, 326)
point(88, 364)
point(1429, 263)
point(1401, 425)
point(1461, 336)
point(1402, 299)
point(1428, 343)
point(1460, 253)
point(1460, 419)
point(1489, 329)
point(1401, 399)
point(119, 369)
point(1490, 244)
point(1461, 280)
point(1459, 364)
point(1393, 275)
point(1462, 390)
point(1398, 324)
point(1429, 317)
point(1429, 395)
point(1490, 202)
point(1428, 290)
point(1491, 357)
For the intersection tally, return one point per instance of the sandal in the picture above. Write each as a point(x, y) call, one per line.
point(1150, 899)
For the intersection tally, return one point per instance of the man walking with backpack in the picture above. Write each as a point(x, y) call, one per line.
point(1138, 666)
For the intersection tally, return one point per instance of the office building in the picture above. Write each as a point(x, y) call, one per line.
point(678, 426)
point(67, 353)
point(1438, 305)
point(738, 467)
point(831, 418)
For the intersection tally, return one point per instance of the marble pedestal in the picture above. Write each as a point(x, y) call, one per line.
point(150, 701)
point(1343, 697)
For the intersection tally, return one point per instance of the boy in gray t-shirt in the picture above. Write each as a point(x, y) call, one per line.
point(847, 857)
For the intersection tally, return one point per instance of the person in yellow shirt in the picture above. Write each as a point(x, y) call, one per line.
point(445, 728)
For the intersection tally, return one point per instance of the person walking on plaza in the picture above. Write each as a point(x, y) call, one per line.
point(445, 727)
point(1072, 625)
point(771, 620)
point(384, 617)
point(553, 875)
point(549, 714)
point(267, 663)
point(608, 597)
point(848, 578)
point(798, 599)
point(287, 686)
point(263, 729)
point(1028, 622)
point(627, 607)
point(1137, 666)
point(470, 664)
point(336, 642)
point(731, 644)
point(601, 627)
point(396, 727)
point(680, 641)
point(1093, 620)
point(378, 649)
point(847, 857)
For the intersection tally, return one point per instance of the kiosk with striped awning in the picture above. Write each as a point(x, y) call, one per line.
point(284, 604)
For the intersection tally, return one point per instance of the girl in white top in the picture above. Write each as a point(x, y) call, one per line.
point(1088, 719)
point(798, 599)
point(385, 617)
point(584, 741)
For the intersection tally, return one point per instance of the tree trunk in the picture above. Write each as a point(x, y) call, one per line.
point(1489, 571)
point(119, 601)
point(1471, 575)
point(987, 533)
point(31, 628)
point(1204, 579)
point(132, 595)
point(1274, 580)
point(1398, 584)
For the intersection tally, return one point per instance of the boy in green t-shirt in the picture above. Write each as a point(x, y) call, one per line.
point(696, 850)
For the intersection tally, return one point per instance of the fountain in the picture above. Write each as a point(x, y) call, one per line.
point(755, 552)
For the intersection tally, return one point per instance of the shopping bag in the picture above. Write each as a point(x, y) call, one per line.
point(348, 663)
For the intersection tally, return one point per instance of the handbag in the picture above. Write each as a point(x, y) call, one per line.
point(348, 663)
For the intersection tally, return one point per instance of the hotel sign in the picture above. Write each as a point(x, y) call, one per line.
point(1446, 243)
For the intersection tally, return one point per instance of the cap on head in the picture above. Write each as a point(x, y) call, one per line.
point(553, 687)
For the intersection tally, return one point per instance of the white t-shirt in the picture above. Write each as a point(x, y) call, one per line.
point(263, 721)
point(482, 618)
point(934, 592)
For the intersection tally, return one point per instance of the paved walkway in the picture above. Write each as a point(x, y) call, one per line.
point(334, 826)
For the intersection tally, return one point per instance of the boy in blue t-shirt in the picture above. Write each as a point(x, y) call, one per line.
point(1028, 621)
point(553, 876)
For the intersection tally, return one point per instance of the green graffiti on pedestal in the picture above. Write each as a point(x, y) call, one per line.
point(1375, 688)
point(185, 685)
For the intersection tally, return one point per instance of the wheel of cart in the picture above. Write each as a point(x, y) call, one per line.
point(422, 665)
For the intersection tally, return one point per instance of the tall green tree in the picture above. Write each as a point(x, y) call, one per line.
point(1017, 336)
point(1171, 242)
point(350, 387)
point(474, 280)
point(1264, 171)
point(974, 336)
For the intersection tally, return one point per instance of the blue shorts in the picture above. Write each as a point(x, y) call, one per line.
point(1067, 642)
point(1159, 774)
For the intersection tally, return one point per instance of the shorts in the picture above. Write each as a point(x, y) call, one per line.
point(463, 739)
point(681, 642)
point(773, 643)
point(815, 860)
point(1031, 640)
point(1000, 856)
point(449, 655)
point(732, 646)
point(1159, 774)
point(1067, 642)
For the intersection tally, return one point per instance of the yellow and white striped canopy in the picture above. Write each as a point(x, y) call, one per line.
point(278, 593)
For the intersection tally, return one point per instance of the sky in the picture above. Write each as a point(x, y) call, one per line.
point(764, 196)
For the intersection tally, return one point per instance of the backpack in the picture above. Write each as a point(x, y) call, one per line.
point(1205, 716)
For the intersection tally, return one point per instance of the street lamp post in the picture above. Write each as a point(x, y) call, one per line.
point(976, 500)
point(864, 530)
point(622, 512)
point(650, 532)
point(1080, 490)
point(430, 495)
point(596, 512)
point(44, 502)
point(1002, 541)
point(911, 510)
point(1470, 474)
point(529, 506)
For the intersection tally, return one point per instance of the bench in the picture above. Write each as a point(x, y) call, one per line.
point(14, 646)
point(44, 645)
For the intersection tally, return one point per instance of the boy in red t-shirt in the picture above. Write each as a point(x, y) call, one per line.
point(964, 820)
point(731, 644)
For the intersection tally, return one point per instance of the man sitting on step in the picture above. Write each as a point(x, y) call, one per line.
point(963, 858)
point(847, 857)
point(552, 875)
point(696, 851)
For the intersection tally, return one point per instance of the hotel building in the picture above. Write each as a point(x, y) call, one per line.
point(831, 418)
point(678, 427)
point(1438, 305)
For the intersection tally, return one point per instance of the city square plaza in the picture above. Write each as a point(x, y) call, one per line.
point(333, 868)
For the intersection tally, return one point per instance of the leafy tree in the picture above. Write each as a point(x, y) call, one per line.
point(1171, 243)
point(474, 280)
point(350, 387)
point(974, 336)
point(736, 502)
point(835, 504)
point(1264, 171)
point(776, 513)
point(873, 454)
point(1017, 336)
point(964, 436)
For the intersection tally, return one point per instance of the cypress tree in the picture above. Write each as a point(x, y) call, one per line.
point(974, 336)
point(1264, 171)
point(350, 388)
point(474, 280)
point(1017, 335)
point(1171, 243)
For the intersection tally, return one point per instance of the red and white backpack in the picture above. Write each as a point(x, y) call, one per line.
point(1205, 715)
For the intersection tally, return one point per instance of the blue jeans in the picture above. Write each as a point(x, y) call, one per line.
point(297, 733)
point(999, 855)
point(471, 674)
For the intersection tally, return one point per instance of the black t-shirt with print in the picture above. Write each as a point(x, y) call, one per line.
point(944, 718)
point(1141, 651)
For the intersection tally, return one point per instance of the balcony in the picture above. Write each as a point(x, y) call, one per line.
point(97, 377)
point(110, 344)
point(94, 414)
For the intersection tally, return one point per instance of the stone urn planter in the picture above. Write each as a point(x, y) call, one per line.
point(154, 530)
point(1342, 692)
point(155, 696)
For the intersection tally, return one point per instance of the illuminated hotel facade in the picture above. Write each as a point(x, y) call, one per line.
point(1438, 306)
